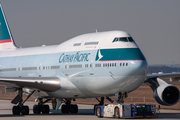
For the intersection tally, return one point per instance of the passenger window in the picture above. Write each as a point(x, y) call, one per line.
point(86, 65)
point(77, 44)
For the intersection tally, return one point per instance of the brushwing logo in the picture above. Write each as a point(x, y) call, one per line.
point(99, 55)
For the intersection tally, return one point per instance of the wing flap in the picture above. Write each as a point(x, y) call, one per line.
point(48, 84)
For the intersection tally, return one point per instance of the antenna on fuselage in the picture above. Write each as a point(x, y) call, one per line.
point(96, 31)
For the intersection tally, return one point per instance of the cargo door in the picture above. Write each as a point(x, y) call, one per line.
point(19, 68)
point(66, 69)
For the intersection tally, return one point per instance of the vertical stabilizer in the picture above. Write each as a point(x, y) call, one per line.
point(6, 41)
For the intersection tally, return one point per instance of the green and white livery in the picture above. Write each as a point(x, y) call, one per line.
point(91, 65)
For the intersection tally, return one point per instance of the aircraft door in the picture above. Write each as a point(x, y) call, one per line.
point(40, 69)
point(92, 68)
point(66, 69)
point(19, 68)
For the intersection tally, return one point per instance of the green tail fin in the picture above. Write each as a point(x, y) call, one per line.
point(6, 41)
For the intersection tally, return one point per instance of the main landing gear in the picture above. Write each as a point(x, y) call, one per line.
point(68, 107)
point(41, 108)
point(24, 110)
point(20, 108)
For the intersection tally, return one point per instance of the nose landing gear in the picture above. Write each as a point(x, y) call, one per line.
point(120, 96)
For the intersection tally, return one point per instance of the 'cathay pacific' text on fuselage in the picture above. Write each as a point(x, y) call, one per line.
point(78, 57)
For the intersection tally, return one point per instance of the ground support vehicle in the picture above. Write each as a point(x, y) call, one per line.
point(126, 111)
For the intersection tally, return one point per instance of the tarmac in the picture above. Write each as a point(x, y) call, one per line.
point(85, 112)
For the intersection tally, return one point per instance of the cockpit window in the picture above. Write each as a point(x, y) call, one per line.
point(130, 39)
point(123, 39)
point(116, 39)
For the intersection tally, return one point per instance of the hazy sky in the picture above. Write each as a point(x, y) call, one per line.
point(154, 24)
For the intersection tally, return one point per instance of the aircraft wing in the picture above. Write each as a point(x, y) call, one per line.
point(48, 84)
point(172, 76)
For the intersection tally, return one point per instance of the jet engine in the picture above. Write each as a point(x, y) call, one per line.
point(167, 94)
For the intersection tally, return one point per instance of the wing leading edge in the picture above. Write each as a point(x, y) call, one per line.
point(173, 76)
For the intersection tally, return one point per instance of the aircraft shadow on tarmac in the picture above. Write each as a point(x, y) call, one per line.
point(168, 115)
point(91, 113)
point(53, 112)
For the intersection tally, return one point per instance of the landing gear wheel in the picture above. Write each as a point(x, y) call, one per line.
point(16, 110)
point(25, 110)
point(36, 109)
point(74, 109)
point(65, 109)
point(45, 109)
point(98, 112)
point(116, 113)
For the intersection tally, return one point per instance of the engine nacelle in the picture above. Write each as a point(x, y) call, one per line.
point(167, 94)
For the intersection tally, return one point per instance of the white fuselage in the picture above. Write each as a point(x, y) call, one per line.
point(90, 65)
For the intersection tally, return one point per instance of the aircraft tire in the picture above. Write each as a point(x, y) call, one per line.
point(74, 109)
point(45, 109)
point(65, 109)
point(25, 110)
point(36, 109)
point(16, 110)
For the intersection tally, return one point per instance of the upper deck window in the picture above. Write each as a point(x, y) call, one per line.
point(77, 44)
point(91, 43)
point(124, 39)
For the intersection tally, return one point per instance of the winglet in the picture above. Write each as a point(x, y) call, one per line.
point(6, 41)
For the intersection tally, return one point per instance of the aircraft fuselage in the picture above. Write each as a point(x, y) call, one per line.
point(89, 65)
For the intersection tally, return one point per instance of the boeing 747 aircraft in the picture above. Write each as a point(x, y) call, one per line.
point(91, 65)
